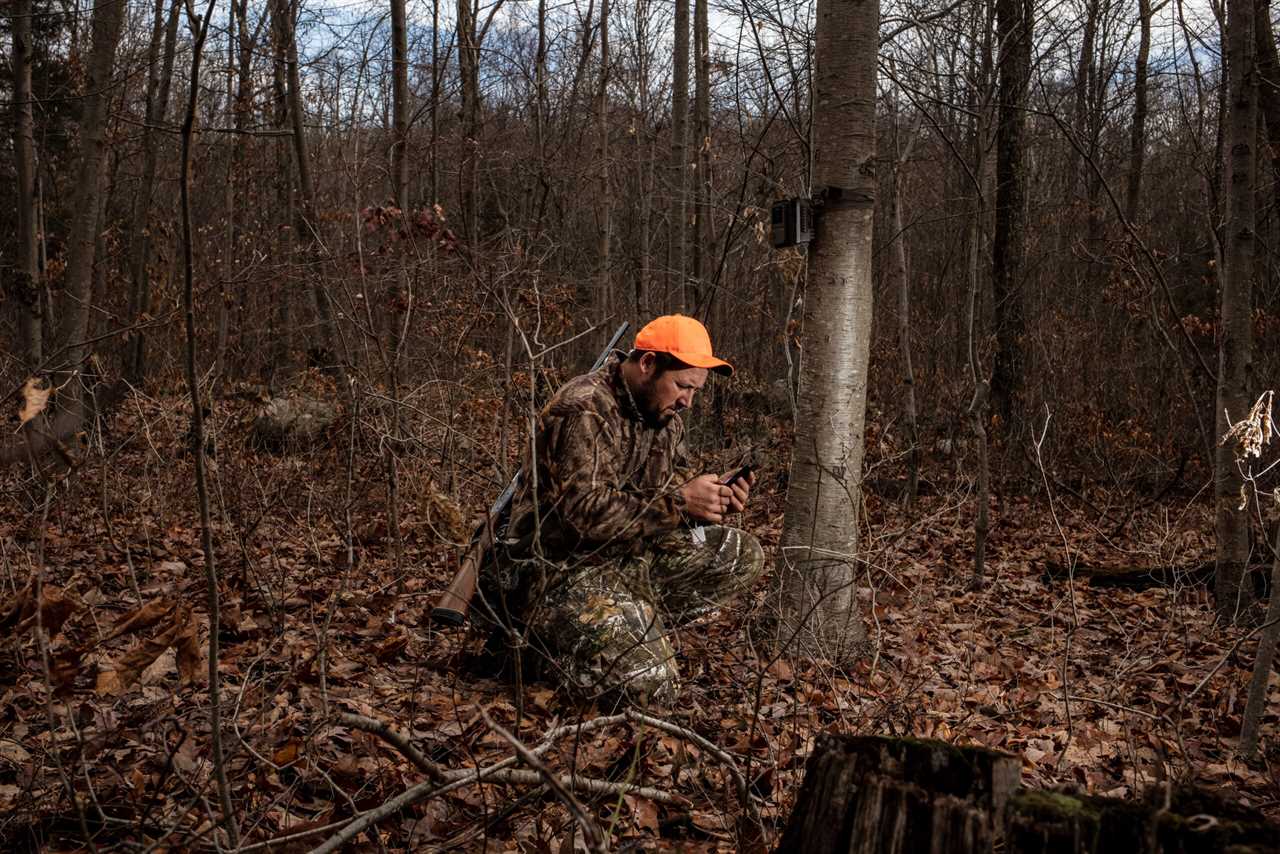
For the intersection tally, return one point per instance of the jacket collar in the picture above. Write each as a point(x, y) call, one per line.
point(621, 391)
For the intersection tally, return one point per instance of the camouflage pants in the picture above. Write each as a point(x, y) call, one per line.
point(604, 630)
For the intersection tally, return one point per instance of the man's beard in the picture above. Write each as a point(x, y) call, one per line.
point(653, 417)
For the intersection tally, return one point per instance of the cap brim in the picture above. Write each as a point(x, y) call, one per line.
point(711, 363)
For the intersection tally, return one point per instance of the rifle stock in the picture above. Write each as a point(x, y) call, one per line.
point(455, 602)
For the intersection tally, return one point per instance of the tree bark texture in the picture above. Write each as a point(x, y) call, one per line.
point(702, 231)
point(1269, 84)
point(644, 157)
point(865, 794)
point(868, 794)
point(979, 104)
point(283, 333)
point(399, 105)
point(1235, 349)
point(159, 82)
point(1014, 30)
point(304, 220)
point(605, 226)
point(469, 73)
point(435, 89)
point(228, 271)
point(1261, 681)
point(900, 284)
point(242, 107)
point(1182, 820)
point(108, 16)
point(1085, 72)
point(1138, 130)
point(677, 219)
point(201, 28)
point(817, 565)
point(26, 287)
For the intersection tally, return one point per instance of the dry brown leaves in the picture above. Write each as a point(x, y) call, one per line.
point(1090, 687)
point(178, 633)
point(35, 397)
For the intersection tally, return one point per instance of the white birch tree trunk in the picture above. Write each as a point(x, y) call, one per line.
point(818, 568)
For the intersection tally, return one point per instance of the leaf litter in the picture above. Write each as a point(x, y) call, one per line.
point(1097, 689)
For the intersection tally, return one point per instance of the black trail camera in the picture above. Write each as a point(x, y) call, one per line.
point(792, 222)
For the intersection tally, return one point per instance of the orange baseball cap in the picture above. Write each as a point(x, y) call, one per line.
point(684, 338)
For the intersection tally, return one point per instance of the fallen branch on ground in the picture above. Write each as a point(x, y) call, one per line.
point(595, 839)
point(500, 772)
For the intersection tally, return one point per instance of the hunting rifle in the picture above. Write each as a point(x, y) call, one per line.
point(454, 603)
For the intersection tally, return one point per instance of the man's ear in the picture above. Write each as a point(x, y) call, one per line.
point(648, 362)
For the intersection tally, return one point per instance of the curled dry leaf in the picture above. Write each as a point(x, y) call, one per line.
point(16, 608)
point(645, 812)
point(56, 607)
point(116, 678)
point(35, 397)
point(391, 647)
point(143, 617)
point(190, 658)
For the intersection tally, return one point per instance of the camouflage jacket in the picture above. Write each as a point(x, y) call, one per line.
point(605, 482)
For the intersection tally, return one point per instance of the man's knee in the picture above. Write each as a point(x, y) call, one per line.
point(616, 648)
point(750, 560)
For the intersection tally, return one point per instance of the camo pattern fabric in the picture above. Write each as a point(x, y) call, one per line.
point(604, 631)
point(604, 481)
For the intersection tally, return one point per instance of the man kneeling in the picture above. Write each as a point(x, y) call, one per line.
point(613, 540)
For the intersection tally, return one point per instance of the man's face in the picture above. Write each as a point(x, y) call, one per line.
point(661, 396)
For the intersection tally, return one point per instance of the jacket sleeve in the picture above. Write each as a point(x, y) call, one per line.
point(584, 465)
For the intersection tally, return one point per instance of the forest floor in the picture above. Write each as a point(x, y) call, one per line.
point(1106, 690)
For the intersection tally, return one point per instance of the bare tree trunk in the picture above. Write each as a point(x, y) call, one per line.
point(242, 107)
point(1014, 19)
point(644, 158)
point(702, 141)
point(1269, 84)
point(605, 295)
point(979, 406)
point(677, 220)
point(469, 72)
point(1138, 130)
point(227, 273)
point(435, 98)
point(1262, 664)
point(280, 368)
point(900, 284)
point(305, 223)
point(401, 301)
point(26, 291)
point(818, 567)
point(1219, 203)
point(1085, 70)
point(399, 106)
point(108, 16)
point(159, 80)
point(1235, 353)
point(200, 26)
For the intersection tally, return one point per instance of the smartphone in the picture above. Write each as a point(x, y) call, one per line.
point(736, 475)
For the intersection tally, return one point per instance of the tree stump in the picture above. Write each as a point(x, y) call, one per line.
point(865, 794)
point(1197, 821)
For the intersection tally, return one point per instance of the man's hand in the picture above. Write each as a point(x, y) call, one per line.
point(708, 500)
point(741, 489)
